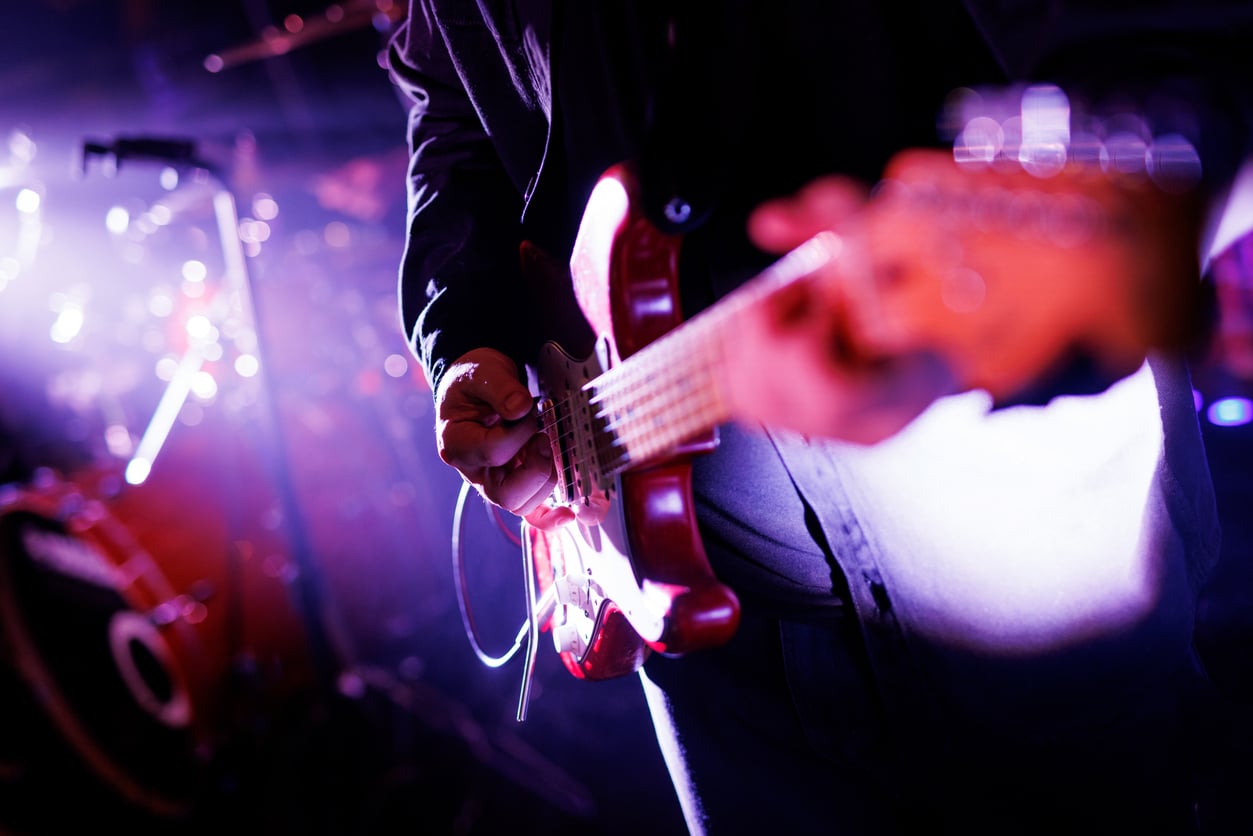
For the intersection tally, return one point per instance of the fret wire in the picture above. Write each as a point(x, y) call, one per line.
point(641, 423)
point(677, 413)
point(671, 426)
point(702, 330)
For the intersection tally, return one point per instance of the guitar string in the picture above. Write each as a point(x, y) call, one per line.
point(669, 420)
point(651, 425)
point(682, 417)
point(639, 428)
point(654, 371)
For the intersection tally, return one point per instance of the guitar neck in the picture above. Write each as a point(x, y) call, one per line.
point(675, 387)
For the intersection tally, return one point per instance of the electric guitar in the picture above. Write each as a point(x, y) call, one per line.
point(625, 422)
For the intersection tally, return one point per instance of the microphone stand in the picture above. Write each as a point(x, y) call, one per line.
point(327, 656)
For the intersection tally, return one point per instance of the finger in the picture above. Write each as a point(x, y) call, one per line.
point(923, 164)
point(512, 403)
point(549, 517)
point(484, 384)
point(524, 482)
point(540, 497)
point(469, 445)
point(489, 398)
point(784, 223)
point(594, 509)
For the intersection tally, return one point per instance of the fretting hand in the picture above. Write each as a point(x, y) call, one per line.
point(797, 362)
point(953, 278)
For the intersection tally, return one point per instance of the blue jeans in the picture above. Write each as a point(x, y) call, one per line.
point(983, 626)
point(782, 731)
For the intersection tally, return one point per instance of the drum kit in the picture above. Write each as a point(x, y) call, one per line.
point(137, 624)
point(164, 632)
point(156, 595)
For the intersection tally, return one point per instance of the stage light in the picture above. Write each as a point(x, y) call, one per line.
point(172, 400)
point(1230, 412)
point(194, 271)
point(137, 471)
point(200, 328)
point(396, 365)
point(28, 201)
point(246, 365)
point(118, 440)
point(117, 219)
point(203, 386)
point(68, 324)
point(265, 207)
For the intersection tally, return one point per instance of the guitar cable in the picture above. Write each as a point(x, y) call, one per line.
point(536, 611)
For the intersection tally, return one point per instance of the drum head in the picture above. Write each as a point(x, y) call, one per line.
point(106, 675)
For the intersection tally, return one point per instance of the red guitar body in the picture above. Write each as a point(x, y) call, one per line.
point(625, 277)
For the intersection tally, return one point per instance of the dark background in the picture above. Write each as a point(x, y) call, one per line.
point(300, 518)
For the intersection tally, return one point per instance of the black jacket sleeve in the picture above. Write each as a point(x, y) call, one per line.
point(460, 282)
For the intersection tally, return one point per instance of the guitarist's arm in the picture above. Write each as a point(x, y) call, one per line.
point(462, 295)
point(460, 282)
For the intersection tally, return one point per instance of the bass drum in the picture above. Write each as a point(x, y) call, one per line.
point(150, 635)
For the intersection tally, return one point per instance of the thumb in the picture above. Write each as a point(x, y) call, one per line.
point(513, 401)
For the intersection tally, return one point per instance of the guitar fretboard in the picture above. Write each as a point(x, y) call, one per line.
point(675, 387)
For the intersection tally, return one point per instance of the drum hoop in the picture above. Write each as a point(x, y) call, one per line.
point(129, 626)
point(30, 666)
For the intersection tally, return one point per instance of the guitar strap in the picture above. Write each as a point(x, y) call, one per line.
point(814, 467)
